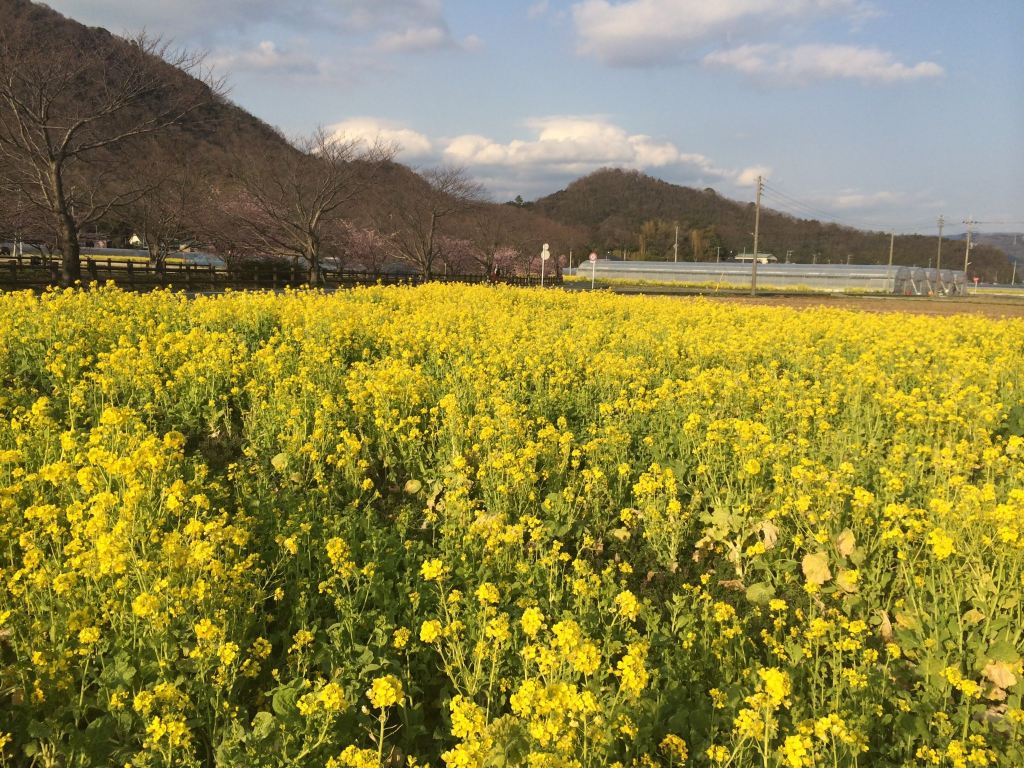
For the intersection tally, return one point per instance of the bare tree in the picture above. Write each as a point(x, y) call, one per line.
point(367, 248)
point(293, 207)
point(415, 219)
point(24, 225)
point(510, 238)
point(68, 111)
point(458, 255)
point(168, 212)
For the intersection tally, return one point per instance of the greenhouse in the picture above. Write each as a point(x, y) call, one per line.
point(869, 278)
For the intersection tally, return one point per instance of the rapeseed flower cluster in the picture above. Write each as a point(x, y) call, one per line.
point(472, 526)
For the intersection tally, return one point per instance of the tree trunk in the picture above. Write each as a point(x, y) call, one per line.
point(312, 256)
point(157, 255)
point(70, 262)
point(428, 256)
point(67, 230)
point(315, 274)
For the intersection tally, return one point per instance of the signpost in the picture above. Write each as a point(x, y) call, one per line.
point(545, 254)
point(593, 268)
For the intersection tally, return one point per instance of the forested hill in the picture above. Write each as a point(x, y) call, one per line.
point(217, 126)
point(630, 211)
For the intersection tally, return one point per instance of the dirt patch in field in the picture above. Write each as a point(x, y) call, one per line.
point(988, 306)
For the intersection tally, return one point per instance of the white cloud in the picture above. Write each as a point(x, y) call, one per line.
point(206, 19)
point(574, 145)
point(392, 26)
point(557, 150)
point(415, 39)
point(805, 63)
point(748, 176)
point(411, 144)
point(851, 200)
point(268, 58)
point(537, 10)
point(421, 39)
point(649, 32)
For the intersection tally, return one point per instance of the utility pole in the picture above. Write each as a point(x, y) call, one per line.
point(938, 255)
point(757, 229)
point(969, 221)
point(675, 247)
point(718, 253)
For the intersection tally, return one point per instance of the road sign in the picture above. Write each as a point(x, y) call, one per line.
point(593, 257)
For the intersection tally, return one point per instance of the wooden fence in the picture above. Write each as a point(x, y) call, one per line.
point(37, 272)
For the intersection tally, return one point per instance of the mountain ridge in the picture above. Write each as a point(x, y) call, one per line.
point(634, 215)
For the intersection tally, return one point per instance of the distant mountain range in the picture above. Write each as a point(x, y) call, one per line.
point(634, 215)
point(1010, 243)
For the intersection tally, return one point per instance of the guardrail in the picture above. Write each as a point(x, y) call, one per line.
point(37, 272)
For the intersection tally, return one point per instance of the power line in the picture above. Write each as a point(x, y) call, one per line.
point(799, 203)
point(782, 199)
point(793, 207)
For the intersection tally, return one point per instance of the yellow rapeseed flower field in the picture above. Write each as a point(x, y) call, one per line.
point(481, 526)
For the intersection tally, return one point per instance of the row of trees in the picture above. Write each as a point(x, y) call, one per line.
point(132, 136)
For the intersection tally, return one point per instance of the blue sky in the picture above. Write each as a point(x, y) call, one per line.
point(875, 114)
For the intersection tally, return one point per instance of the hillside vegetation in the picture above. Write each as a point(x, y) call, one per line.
point(634, 215)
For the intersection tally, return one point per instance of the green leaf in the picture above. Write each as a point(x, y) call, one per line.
point(283, 701)
point(1001, 650)
point(760, 593)
point(262, 725)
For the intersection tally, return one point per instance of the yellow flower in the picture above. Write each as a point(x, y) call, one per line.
point(400, 639)
point(145, 605)
point(675, 747)
point(775, 684)
point(718, 754)
point(432, 570)
point(942, 543)
point(89, 635)
point(206, 630)
point(487, 594)
point(301, 639)
point(798, 752)
point(430, 630)
point(532, 621)
point(748, 724)
point(386, 692)
point(632, 671)
point(627, 605)
point(227, 653)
